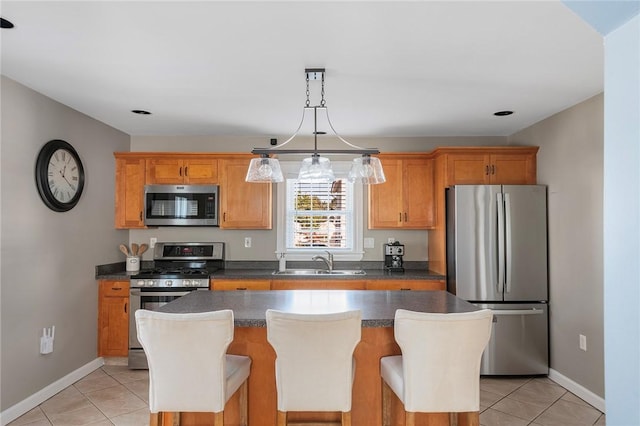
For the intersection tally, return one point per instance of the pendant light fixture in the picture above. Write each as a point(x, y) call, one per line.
point(364, 169)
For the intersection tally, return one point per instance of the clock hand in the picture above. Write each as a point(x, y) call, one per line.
point(67, 180)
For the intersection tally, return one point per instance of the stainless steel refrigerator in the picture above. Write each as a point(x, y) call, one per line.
point(497, 259)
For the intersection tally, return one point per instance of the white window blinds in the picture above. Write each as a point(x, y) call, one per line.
point(319, 215)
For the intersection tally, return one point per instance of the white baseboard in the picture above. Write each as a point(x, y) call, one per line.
point(578, 390)
point(24, 406)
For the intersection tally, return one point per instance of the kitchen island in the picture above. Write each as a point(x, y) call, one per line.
point(378, 310)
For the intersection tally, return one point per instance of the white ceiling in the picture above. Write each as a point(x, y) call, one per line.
point(420, 68)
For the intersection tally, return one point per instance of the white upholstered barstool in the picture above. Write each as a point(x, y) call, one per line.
point(314, 361)
point(439, 369)
point(189, 370)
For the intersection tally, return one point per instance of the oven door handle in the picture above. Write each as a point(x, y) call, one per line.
point(158, 293)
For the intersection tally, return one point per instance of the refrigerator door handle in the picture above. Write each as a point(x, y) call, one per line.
point(500, 211)
point(507, 229)
point(533, 311)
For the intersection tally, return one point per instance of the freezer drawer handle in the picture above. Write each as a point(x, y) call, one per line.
point(518, 312)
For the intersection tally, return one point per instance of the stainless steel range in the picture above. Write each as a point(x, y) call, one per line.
point(179, 268)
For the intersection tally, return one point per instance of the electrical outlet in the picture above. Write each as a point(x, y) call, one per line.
point(46, 340)
point(583, 342)
point(247, 242)
point(391, 240)
point(152, 242)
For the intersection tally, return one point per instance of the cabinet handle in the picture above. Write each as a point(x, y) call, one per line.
point(224, 216)
point(400, 220)
point(125, 307)
point(486, 170)
point(405, 217)
point(241, 288)
point(116, 288)
point(180, 171)
point(140, 215)
point(186, 169)
point(405, 289)
point(493, 170)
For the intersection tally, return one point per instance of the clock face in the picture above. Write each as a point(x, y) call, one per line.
point(59, 175)
point(64, 175)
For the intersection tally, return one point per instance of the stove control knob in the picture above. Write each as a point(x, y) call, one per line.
point(150, 283)
point(140, 283)
point(169, 283)
point(186, 283)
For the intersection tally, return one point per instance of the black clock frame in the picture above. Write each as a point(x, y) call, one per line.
point(42, 178)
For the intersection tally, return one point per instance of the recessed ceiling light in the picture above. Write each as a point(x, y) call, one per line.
point(140, 111)
point(502, 113)
point(5, 24)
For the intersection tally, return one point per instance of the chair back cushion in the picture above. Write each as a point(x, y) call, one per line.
point(441, 356)
point(314, 359)
point(186, 355)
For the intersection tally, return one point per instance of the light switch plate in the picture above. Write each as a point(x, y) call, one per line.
point(369, 242)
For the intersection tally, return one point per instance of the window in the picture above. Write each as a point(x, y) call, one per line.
point(318, 216)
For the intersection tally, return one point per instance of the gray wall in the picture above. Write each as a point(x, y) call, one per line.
point(570, 162)
point(264, 242)
point(48, 258)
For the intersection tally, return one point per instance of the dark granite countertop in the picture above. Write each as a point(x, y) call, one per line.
point(378, 307)
point(116, 271)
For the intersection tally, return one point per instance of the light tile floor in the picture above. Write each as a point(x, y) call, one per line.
point(115, 395)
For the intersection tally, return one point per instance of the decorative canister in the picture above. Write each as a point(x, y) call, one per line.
point(133, 263)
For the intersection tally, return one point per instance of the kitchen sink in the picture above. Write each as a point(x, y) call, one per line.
point(320, 272)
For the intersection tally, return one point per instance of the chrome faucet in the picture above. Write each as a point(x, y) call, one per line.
point(327, 260)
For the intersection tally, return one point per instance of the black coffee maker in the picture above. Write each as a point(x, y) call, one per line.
point(393, 257)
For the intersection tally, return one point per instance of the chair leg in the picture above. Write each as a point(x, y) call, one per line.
point(244, 390)
point(218, 419)
point(346, 418)
point(386, 404)
point(154, 419)
point(410, 418)
point(281, 418)
point(470, 418)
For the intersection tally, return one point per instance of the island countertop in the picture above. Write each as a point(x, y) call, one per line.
point(378, 307)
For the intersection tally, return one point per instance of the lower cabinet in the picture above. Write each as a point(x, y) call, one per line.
point(406, 285)
point(113, 318)
point(240, 284)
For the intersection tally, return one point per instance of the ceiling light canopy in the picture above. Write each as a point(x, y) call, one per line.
point(364, 169)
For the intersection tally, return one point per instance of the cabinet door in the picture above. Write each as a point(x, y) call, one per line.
point(406, 285)
point(243, 205)
point(240, 284)
point(417, 191)
point(385, 200)
point(165, 171)
point(113, 318)
point(129, 193)
point(201, 171)
point(318, 284)
point(468, 169)
point(513, 169)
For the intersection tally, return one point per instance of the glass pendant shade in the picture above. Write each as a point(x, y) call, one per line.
point(366, 170)
point(316, 168)
point(264, 169)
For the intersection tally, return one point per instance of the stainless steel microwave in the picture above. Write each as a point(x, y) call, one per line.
point(181, 205)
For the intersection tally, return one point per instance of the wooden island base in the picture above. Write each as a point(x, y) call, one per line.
point(367, 388)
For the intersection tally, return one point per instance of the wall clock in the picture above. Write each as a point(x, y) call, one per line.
point(59, 175)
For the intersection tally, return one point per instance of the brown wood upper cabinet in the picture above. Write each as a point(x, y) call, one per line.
point(405, 200)
point(129, 191)
point(168, 171)
point(473, 168)
point(243, 205)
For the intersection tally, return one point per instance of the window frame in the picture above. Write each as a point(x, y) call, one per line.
point(341, 169)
